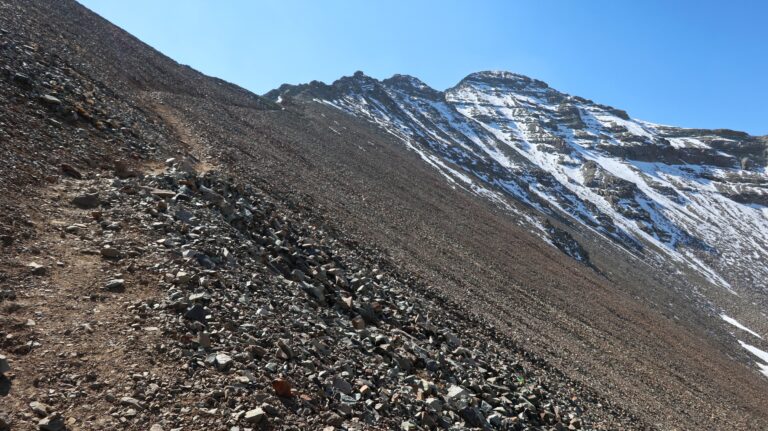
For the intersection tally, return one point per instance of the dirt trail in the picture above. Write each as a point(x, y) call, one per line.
point(64, 323)
point(194, 150)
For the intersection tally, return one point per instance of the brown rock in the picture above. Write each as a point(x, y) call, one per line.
point(282, 387)
point(71, 171)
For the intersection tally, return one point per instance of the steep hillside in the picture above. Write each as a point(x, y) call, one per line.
point(696, 197)
point(688, 203)
point(178, 253)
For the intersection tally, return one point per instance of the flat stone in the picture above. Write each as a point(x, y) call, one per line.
point(254, 416)
point(39, 408)
point(131, 402)
point(50, 100)
point(163, 194)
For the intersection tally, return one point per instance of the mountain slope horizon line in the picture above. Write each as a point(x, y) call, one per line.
point(416, 82)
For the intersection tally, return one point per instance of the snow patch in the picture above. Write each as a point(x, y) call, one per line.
point(763, 355)
point(735, 323)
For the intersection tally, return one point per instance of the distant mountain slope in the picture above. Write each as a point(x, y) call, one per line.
point(694, 197)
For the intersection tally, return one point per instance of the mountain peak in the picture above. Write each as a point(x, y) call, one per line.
point(504, 77)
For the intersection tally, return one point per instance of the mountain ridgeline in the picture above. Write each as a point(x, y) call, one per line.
point(691, 196)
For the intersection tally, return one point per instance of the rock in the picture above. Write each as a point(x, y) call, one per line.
point(457, 397)
point(298, 275)
point(254, 416)
point(115, 285)
point(473, 417)
point(223, 362)
point(54, 422)
point(122, 170)
point(575, 423)
point(50, 100)
point(196, 312)
point(22, 80)
point(204, 340)
point(342, 385)
point(110, 252)
point(87, 201)
point(282, 388)
point(358, 323)
point(270, 409)
point(156, 427)
point(4, 365)
point(131, 402)
point(39, 408)
point(163, 194)
point(434, 404)
point(37, 269)
point(5, 422)
point(69, 170)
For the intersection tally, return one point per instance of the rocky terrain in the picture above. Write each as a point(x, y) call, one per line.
point(180, 254)
point(672, 194)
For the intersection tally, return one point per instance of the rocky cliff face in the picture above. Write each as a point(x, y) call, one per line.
point(693, 199)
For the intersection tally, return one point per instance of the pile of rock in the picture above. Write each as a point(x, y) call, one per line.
point(272, 321)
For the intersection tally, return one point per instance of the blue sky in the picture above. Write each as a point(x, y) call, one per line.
point(687, 63)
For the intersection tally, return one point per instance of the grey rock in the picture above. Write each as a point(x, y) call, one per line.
point(50, 100)
point(254, 416)
point(342, 385)
point(457, 397)
point(131, 402)
point(4, 365)
point(473, 417)
point(54, 422)
point(39, 408)
point(87, 201)
point(223, 362)
point(115, 285)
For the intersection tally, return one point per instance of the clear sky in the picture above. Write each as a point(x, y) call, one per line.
point(695, 63)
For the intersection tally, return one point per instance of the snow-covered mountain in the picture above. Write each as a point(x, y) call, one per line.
point(696, 198)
